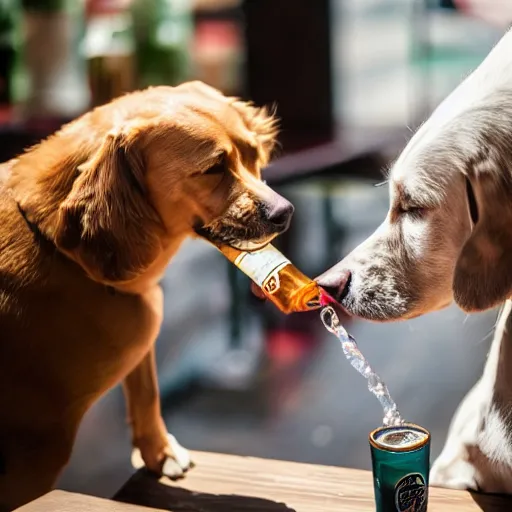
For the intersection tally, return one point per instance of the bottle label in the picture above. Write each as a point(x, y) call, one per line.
point(411, 493)
point(263, 267)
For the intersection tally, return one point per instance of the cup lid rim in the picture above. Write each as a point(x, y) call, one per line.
point(410, 448)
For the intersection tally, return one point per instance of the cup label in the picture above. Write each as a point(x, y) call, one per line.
point(411, 493)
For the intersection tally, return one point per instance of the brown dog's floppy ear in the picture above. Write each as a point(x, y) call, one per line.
point(483, 273)
point(106, 221)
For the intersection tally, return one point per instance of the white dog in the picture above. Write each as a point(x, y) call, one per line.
point(448, 236)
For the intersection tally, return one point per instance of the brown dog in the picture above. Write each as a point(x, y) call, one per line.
point(89, 219)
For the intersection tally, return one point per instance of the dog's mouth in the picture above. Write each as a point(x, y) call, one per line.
point(240, 242)
point(250, 245)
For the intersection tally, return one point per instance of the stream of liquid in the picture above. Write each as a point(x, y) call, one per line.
point(358, 361)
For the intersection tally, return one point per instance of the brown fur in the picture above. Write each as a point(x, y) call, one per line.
point(89, 219)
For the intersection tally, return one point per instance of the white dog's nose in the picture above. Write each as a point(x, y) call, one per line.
point(336, 282)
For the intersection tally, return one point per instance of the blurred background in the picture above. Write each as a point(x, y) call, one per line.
point(351, 79)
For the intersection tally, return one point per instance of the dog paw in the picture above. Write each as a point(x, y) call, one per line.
point(164, 457)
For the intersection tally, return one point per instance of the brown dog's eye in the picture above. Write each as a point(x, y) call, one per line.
point(218, 168)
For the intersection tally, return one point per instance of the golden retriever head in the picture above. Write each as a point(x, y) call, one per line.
point(122, 186)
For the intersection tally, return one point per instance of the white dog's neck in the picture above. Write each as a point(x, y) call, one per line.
point(493, 74)
point(478, 452)
point(498, 369)
point(495, 393)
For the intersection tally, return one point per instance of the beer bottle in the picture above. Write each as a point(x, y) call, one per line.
point(281, 282)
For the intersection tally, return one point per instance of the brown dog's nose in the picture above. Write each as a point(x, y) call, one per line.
point(335, 282)
point(280, 213)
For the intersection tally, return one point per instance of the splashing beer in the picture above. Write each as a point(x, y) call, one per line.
point(376, 385)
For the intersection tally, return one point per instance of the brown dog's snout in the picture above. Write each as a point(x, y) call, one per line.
point(280, 213)
point(335, 282)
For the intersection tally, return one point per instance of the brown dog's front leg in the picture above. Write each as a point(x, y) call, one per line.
point(154, 447)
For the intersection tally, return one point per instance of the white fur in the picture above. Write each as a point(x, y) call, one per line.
point(478, 452)
point(172, 467)
point(419, 262)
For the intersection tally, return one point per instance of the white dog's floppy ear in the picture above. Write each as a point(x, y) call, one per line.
point(483, 273)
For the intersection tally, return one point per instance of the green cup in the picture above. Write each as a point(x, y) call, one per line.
point(401, 462)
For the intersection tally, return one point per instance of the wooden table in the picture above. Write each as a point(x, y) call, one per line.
point(226, 483)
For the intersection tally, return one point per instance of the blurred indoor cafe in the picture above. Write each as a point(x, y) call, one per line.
point(350, 80)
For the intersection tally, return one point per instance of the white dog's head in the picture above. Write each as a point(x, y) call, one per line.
point(448, 232)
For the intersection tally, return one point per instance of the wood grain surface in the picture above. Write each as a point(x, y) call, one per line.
point(60, 501)
point(226, 483)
